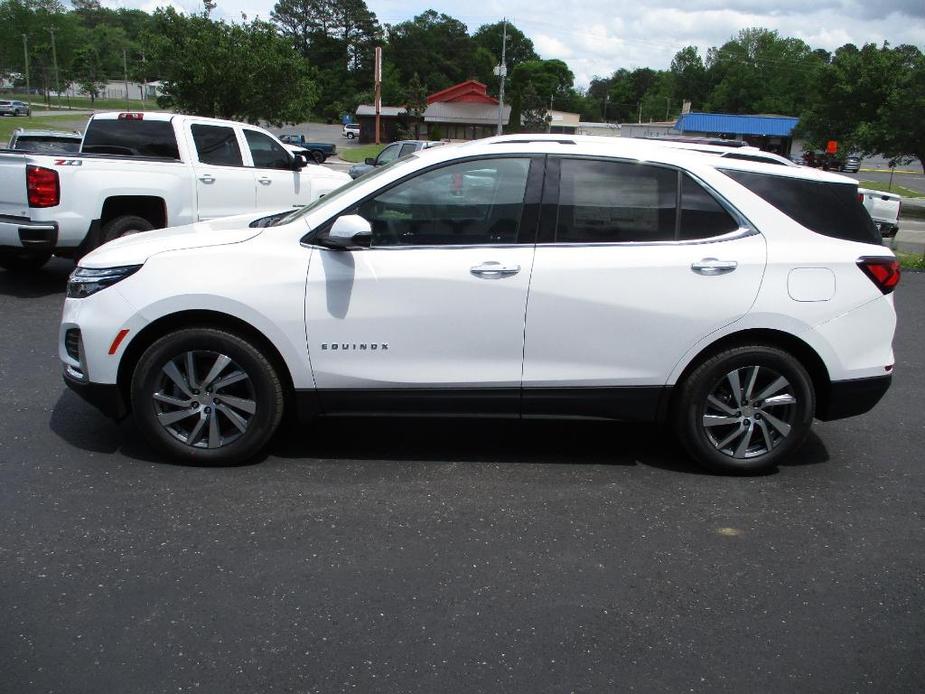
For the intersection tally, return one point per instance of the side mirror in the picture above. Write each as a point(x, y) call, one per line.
point(349, 232)
point(371, 161)
point(299, 162)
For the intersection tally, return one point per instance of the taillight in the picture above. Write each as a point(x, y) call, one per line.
point(884, 272)
point(861, 197)
point(42, 186)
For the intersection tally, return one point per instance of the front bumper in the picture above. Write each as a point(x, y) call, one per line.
point(851, 398)
point(106, 397)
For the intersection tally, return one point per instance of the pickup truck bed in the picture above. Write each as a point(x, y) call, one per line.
point(884, 209)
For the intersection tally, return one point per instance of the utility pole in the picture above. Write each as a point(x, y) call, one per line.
point(128, 105)
point(667, 106)
point(549, 116)
point(639, 119)
point(501, 71)
point(25, 51)
point(54, 57)
point(377, 75)
point(606, 99)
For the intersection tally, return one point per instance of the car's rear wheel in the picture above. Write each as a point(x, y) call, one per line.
point(23, 261)
point(745, 409)
point(124, 226)
point(317, 155)
point(206, 396)
point(350, 136)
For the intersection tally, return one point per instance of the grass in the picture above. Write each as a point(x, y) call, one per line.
point(911, 261)
point(357, 154)
point(83, 103)
point(886, 188)
point(8, 125)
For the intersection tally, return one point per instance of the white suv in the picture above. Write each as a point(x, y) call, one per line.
point(513, 277)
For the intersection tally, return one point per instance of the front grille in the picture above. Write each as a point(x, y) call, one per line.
point(72, 344)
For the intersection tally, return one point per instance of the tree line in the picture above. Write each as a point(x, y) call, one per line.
point(314, 58)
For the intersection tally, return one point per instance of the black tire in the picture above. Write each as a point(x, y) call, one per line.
point(124, 225)
point(350, 136)
point(23, 261)
point(262, 387)
point(754, 417)
point(317, 155)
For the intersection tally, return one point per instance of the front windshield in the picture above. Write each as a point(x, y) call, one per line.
point(338, 192)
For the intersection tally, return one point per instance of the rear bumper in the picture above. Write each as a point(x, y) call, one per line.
point(22, 232)
point(851, 398)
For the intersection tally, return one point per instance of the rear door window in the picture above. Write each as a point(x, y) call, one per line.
point(830, 209)
point(612, 202)
point(217, 145)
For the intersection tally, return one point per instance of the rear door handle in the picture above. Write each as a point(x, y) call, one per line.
point(207, 178)
point(712, 266)
point(494, 270)
point(265, 181)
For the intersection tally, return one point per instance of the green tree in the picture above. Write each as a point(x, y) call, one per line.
point(760, 71)
point(488, 39)
point(337, 38)
point(870, 100)
point(438, 48)
point(242, 71)
point(87, 71)
point(689, 75)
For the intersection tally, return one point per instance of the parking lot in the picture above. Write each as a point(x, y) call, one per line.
point(427, 556)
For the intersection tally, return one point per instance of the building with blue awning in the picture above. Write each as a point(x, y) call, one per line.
point(770, 133)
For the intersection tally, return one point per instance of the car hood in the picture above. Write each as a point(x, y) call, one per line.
point(135, 249)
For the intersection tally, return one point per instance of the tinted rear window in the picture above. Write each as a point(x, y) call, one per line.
point(830, 209)
point(134, 138)
point(47, 143)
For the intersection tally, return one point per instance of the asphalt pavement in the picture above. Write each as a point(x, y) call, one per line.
point(460, 556)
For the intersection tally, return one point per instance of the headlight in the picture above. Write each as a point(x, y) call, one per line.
point(85, 281)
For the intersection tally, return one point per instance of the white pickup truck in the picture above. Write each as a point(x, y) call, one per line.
point(884, 210)
point(142, 171)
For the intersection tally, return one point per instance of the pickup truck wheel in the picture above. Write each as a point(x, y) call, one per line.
point(125, 225)
point(745, 409)
point(23, 261)
point(207, 397)
point(318, 156)
point(350, 136)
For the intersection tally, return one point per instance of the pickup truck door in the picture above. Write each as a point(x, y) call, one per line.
point(277, 183)
point(224, 186)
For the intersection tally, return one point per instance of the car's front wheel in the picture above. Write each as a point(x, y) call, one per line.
point(745, 409)
point(206, 396)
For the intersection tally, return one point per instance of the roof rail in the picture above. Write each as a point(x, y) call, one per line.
point(531, 140)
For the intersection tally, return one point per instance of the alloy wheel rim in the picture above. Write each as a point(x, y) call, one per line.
point(208, 411)
point(749, 412)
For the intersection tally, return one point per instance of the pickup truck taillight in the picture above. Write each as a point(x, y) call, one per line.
point(42, 186)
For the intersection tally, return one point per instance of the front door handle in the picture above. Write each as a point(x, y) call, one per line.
point(207, 178)
point(712, 266)
point(492, 270)
point(265, 181)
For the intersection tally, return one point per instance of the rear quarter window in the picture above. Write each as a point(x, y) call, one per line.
point(830, 209)
point(132, 138)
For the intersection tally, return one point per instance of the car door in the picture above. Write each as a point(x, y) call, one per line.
point(430, 316)
point(277, 183)
point(224, 186)
point(635, 264)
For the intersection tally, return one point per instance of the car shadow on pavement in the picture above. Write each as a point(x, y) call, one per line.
point(51, 279)
point(426, 439)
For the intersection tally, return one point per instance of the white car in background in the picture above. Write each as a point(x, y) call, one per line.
point(511, 277)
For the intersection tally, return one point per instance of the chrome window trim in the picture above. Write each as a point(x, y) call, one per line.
point(741, 233)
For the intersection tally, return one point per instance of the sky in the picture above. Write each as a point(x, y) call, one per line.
point(596, 37)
